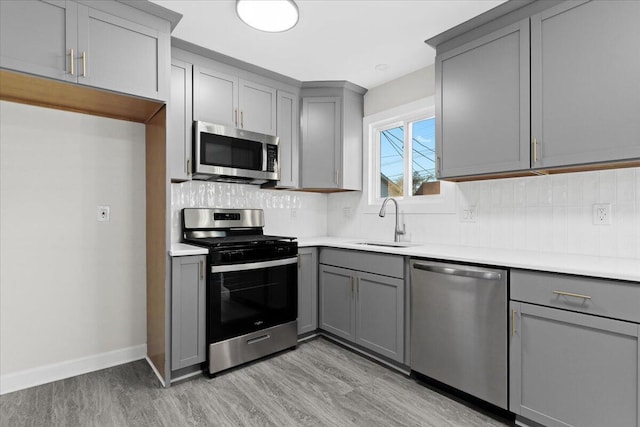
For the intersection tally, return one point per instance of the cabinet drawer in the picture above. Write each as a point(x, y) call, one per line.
point(614, 299)
point(386, 265)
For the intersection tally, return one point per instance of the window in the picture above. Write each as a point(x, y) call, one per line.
point(405, 158)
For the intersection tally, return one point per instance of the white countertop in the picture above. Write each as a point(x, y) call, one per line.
point(182, 249)
point(603, 267)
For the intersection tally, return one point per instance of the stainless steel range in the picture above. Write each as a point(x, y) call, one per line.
point(252, 285)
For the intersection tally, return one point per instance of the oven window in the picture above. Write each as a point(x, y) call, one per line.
point(250, 300)
point(219, 150)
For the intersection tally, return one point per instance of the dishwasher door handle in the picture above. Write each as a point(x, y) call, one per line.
point(476, 274)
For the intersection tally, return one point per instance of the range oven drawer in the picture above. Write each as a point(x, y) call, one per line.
point(236, 351)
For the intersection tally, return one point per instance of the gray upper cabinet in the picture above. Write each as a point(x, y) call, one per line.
point(188, 283)
point(482, 104)
point(307, 290)
point(225, 99)
point(257, 105)
point(215, 97)
point(571, 369)
point(321, 158)
point(37, 37)
point(107, 45)
point(585, 88)
point(118, 54)
point(179, 128)
point(359, 304)
point(331, 128)
point(288, 131)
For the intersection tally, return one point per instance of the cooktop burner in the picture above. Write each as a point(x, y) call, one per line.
point(243, 239)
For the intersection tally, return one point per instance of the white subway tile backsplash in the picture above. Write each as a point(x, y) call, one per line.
point(624, 188)
point(532, 191)
point(590, 188)
point(574, 189)
point(607, 186)
point(545, 190)
point(560, 189)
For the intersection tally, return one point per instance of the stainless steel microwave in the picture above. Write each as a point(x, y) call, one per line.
point(228, 154)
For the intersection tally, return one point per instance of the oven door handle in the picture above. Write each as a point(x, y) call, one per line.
point(253, 265)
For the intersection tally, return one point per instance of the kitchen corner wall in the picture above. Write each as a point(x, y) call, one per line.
point(286, 213)
point(541, 214)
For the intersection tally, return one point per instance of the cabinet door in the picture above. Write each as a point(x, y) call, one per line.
point(573, 369)
point(215, 97)
point(380, 314)
point(121, 55)
point(257, 107)
point(180, 120)
point(321, 136)
point(585, 90)
point(482, 104)
point(288, 129)
point(307, 290)
point(337, 288)
point(188, 311)
point(36, 37)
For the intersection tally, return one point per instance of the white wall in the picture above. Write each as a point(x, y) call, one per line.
point(70, 287)
point(403, 90)
point(286, 213)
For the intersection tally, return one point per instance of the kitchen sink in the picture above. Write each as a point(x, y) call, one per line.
point(387, 244)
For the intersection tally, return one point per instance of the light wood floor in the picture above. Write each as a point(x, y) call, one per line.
point(319, 384)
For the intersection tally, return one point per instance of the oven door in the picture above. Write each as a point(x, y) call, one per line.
point(244, 298)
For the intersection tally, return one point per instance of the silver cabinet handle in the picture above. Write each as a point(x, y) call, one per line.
point(513, 322)
point(72, 56)
point(337, 177)
point(242, 119)
point(202, 270)
point(571, 294)
point(535, 150)
point(439, 172)
point(84, 64)
point(235, 114)
point(486, 275)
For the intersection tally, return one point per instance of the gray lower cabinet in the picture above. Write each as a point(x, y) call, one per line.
point(573, 369)
point(179, 128)
point(307, 290)
point(363, 307)
point(585, 91)
point(574, 350)
point(482, 104)
point(107, 45)
point(188, 283)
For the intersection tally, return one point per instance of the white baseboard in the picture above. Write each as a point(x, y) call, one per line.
point(58, 371)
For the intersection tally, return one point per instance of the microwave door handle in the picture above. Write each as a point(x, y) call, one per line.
point(264, 157)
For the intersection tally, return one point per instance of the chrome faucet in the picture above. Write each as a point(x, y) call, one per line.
point(398, 232)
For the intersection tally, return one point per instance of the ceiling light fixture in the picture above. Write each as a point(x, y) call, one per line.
point(272, 16)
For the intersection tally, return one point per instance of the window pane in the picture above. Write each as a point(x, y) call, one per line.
point(391, 162)
point(424, 158)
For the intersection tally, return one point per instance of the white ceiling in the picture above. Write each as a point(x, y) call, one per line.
point(334, 39)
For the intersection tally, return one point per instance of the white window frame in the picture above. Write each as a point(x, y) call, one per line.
point(389, 119)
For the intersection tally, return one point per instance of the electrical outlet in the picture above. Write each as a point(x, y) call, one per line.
point(602, 214)
point(469, 214)
point(347, 212)
point(104, 213)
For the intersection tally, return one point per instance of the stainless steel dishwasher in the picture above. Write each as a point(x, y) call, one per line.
point(459, 327)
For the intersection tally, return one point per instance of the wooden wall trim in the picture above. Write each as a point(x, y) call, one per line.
point(43, 92)
point(156, 203)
